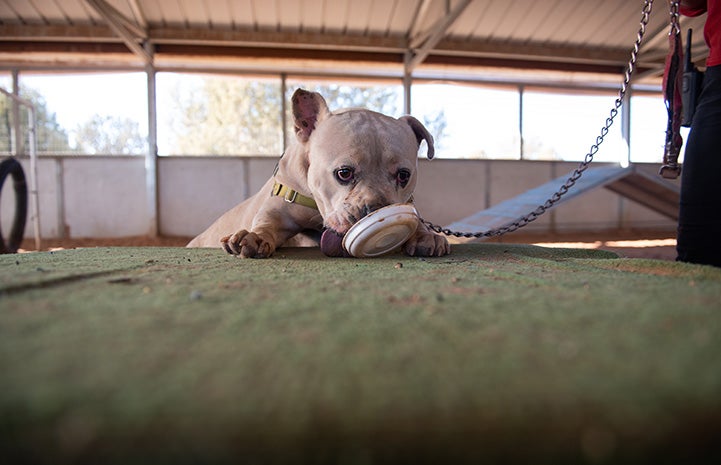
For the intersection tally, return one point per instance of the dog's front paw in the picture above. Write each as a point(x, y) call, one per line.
point(247, 245)
point(425, 243)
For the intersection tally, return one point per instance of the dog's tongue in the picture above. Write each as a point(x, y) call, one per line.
point(331, 244)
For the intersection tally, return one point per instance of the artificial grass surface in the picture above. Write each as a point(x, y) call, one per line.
point(497, 352)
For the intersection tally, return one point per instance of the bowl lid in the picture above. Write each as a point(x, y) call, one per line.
point(381, 231)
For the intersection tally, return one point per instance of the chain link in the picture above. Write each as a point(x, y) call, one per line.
point(578, 172)
point(674, 13)
point(672, 148)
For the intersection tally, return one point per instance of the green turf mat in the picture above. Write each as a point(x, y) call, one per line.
point(497, 352)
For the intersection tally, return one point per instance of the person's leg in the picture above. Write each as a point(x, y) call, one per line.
point(699, 226)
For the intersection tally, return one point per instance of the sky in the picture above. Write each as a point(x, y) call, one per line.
point(76, 97)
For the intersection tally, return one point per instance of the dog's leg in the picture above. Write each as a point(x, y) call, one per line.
point(271, 228)
point(426, 243)
point(248, 244)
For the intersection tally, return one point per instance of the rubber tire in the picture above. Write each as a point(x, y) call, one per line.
point(12, 167)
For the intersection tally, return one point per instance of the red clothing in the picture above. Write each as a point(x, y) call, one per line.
point(712, 30)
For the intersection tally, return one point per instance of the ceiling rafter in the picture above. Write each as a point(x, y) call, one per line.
point(57, 33)
point(422, 46)
point(131, 33)
point(419, 18)
point(252, 44)
point(138, 12)
point(314, 41)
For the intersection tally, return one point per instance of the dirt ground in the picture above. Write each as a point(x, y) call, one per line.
point(626, 243)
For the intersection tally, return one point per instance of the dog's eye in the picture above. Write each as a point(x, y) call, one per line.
point(344, 175)
point(402, 177)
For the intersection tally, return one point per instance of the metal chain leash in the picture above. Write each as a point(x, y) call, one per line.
point(674, 14)
point(672, 97)
point(541, 209)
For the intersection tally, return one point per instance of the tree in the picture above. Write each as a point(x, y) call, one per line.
point(534, 148)
point(384, 99)
point(226, 116)
point(110, 135)
point(436, 125)
point(98, 135)
point(50, 136)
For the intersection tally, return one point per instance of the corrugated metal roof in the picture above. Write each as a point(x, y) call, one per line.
point(577, 35)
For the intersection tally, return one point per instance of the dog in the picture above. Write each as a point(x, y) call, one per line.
point(343, 165)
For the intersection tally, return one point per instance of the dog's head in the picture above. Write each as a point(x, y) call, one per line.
point(357, 160)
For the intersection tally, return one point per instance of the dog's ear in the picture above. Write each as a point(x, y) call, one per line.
point(309, 108)
point(421, 134)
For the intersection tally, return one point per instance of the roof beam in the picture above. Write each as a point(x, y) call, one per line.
point(56, 33)
point(418, 18)
point(432, 46)
point(307, 42)
point(279, 39)
point(422, 46)
point(202, 36)
point(449, 52)
point(530, 50)
point(109, 13)
point(114, 55)
point(138, 12)
point(129, 32)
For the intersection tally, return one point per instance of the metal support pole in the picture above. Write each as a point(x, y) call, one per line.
point(284, 110)
point(32, 142)
point(151, 157)
point(521, 147)
point(17, 140)
point(407, 82)
point(62, 226)
point(625, 159)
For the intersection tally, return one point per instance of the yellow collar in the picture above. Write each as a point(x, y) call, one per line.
point(292, 196)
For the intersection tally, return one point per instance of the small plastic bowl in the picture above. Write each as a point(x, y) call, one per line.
point(381, 231)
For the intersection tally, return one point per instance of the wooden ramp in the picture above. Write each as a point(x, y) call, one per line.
point(652, 192)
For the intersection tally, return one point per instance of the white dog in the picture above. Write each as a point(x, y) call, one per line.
point(344, 165)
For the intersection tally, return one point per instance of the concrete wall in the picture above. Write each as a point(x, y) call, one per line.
point(85, 197)
point(452, 189)
point(98, 196)
point(193, 192)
